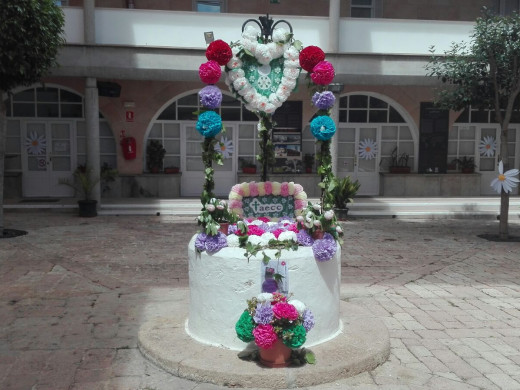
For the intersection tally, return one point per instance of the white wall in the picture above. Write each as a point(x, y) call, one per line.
point(136, 27)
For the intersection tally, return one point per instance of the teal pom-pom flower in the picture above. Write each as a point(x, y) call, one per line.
point(295, 336)
point(209, 124)
point(323, 128)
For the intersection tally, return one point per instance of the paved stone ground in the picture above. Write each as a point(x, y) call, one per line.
point(74, 293)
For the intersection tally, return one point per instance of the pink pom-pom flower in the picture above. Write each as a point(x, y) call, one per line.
point(284, 189)
point(253, 189)
point(268, 187)
point(285, 310)
point(265, 337)
point(209, 72)
point(323, 73)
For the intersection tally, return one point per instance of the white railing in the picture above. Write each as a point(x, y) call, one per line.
point(136, 27)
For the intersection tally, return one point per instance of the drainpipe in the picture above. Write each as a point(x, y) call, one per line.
point(334, 13)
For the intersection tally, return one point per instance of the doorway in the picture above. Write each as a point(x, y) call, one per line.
point(48, 156)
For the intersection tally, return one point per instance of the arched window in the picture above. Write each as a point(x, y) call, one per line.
point(58, 105)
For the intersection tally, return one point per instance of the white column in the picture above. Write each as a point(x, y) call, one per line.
point(334, 10)
point(92, 128)
point(89, 26)
point(334, 114)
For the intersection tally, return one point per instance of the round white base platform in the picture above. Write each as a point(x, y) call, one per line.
point(220, 285)
point(362, 346)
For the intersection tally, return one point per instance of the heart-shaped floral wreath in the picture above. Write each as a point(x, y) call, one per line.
point(263, 75)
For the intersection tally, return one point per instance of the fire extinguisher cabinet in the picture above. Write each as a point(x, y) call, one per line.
point(129, 150)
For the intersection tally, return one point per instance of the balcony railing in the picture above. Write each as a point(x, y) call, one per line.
point(175, 29)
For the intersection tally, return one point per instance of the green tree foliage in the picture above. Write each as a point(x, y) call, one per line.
point(31, 33)
point(484, 73)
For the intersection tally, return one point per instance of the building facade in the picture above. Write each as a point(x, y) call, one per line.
point(131, 68)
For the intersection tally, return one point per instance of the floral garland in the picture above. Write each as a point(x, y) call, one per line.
point(320, 75)
point(252, 189)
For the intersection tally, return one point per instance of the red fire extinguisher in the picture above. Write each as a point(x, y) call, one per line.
point(128, 144)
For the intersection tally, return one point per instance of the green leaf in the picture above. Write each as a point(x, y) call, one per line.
point(310, 357)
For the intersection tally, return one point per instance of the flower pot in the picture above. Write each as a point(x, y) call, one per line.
point(87, 208)
point(224, 226)
point(467, 170)
point(249, 170)
point(399, 169)
point(154, 169)
point(171, 170)
point(308, 169)
point(277, 356)
point(318, 234)
point(341, 214)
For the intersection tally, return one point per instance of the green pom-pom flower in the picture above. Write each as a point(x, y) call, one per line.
point(295, 336)
point(244, 327)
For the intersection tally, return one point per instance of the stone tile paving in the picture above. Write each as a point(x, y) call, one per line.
point(74, 293)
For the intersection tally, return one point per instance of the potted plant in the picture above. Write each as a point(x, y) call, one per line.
point(276, 324)
point(343, 193)
point(399, 163)
point(308, 162)
point(83, 184)
point(154, 155)
point(465, 164)
point(247, 166)
point(215, 217)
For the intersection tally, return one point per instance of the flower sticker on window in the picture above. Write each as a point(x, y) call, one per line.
point(487, 146)
point(224, 146)
point(35, 144)
point(506, 181)
point(367, 149)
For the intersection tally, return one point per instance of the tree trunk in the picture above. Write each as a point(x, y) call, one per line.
point(3, 126)
point(503, 228)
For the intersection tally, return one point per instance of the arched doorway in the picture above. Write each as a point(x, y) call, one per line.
point(371, 128)
point(174, 126)
point(46, 139)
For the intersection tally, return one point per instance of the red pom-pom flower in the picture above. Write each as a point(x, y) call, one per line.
point(310, 57)
point(209, 72)
point(219, 51)
point(323, 73)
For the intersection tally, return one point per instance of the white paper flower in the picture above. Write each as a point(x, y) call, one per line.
point(506, 180)
point(264, 297)
point(367, 149)
point(299, 305)
point(35, 144)
point(233, 241)
point(255, 240)
point(329, 214)
point(487, 146)
point(210, 207)
point(287, 235)
point(339, 229)
point(224, 146)
point(266, 237)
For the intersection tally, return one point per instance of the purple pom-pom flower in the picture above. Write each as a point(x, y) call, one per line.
point(263, 313)
point(323, 100)
point(304, 238)
point(308, 320)
point(210, 97)
point(200, 241)
point(232, 229)
point(215, 243)
point(324, 249)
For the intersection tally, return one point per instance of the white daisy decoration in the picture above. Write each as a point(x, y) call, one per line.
point(367, 149)
point(35, 144)
point(506, 181)
point(487, 146)
point(224, 146)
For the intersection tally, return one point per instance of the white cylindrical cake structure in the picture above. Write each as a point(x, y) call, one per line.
point(220, 285)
